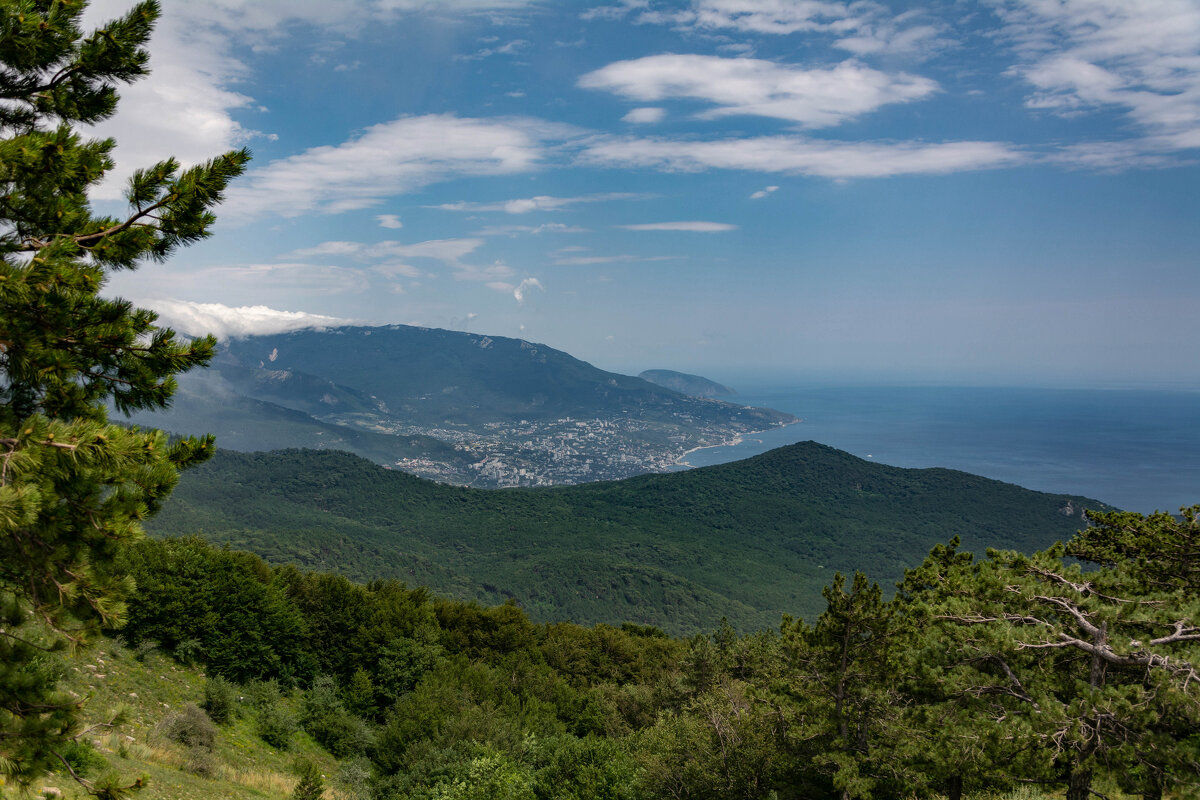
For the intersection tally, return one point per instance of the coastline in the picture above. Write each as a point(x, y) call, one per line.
point(736, 440)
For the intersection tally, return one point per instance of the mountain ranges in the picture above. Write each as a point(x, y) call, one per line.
point(462, 408)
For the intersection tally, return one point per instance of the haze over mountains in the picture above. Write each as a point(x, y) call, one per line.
point(685, 383)
point(459, 407)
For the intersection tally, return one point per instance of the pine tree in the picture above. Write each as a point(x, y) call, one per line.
point(73, 486)
point(311, 784)
point(841, 678)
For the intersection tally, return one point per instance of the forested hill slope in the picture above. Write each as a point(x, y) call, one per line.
point(748, 540)
point(429, 376)
point(684, 383)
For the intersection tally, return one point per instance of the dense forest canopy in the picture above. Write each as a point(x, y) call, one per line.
point(979, 675)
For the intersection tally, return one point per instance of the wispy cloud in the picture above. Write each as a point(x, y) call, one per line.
point(524, 205)
point(507, 49)
point(803, 156)
point(624, 258)
point(816, 98)
point(764, 192)
point(389, 221)
point(198, 319)
point(859, 27)
point(1142, 58)
point(535, 230)
point(689, 227)
point(388, 159)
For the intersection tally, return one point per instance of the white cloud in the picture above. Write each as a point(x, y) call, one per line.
point(522, 289)
point(860, 27)
point(511, 48)
point(389, 221)
point(448, 251)
point(624, 258)
point(816, 98)
point(185, 107)
point(329, 249)
point(690, 227)
point(387, 159)
point(517, 230)
point(645, 116)
point(389, 258)
point(490, 274)
point(1142, 57)
point(198, 319)
point(397, 270)
point(761, 193)
point(803, 156)
point(524, 205)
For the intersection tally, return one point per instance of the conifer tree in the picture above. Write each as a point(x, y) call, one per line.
point(73, 486)
point(840, 676)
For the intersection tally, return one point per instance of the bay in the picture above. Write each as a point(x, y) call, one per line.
point(1138, 450)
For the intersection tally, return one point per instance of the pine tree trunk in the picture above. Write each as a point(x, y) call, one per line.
point(954, 786)
point(1079, 784)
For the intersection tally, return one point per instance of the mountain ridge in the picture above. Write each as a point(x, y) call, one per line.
point(486, 411)
point(747, 540)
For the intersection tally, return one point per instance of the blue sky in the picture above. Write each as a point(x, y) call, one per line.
point(965, 192)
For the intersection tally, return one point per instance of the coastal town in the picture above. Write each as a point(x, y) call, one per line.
point(561, 451)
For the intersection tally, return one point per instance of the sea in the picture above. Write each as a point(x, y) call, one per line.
point(1138, 450)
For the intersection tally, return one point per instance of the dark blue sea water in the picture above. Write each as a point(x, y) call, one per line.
point(1138, 450)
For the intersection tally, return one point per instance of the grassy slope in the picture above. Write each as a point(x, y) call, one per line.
point(747, 541)
point(245, 766)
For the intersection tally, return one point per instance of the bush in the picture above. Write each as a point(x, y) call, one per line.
point(220, 700)
point(143, 649)
point(82, 757)
point(201, 762)
point(327, 720)
point(262, 694)
point(353, 779)
point(190, 727)
point(275, 726)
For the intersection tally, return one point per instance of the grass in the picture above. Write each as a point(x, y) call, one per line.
point(111, 679)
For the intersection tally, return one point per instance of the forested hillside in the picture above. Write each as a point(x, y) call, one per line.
point(1011, 676)
point(747, 541)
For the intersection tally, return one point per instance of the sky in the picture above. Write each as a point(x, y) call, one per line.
point(995, 192)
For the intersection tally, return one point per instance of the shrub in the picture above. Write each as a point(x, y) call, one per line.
point(82, 757)
point(275, 726)
point(143, 649)
point(327, 720)
point(190, 727)
point(353, 779)
point(220, 700)
point(201, 762)
point(262, 694)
